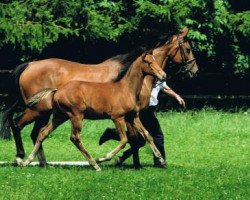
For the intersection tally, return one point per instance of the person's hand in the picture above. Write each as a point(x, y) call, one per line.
point(181, 101)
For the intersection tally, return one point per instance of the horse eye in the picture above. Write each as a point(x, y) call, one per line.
point(188, 50)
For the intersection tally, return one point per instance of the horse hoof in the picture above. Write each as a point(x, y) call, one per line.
point(98, 169)
point(18, 162)
point(163, 166)
point(43, 164)
point(138, 167)
point(24, 164)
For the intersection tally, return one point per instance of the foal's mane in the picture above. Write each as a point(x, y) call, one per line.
point(126, 60)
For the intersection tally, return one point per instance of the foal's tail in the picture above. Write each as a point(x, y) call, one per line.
point(8, 114)
point(39, 96)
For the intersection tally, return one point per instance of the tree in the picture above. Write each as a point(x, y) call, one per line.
point(219, 32)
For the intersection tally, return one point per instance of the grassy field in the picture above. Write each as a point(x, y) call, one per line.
point(207, 152)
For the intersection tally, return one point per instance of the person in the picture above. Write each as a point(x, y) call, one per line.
point(149, 120)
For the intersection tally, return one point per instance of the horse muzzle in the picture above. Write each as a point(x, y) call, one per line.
point(162, 76)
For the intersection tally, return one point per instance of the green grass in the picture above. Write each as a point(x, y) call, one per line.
point(207, 152)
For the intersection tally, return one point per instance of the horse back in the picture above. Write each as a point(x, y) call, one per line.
point(54, 73)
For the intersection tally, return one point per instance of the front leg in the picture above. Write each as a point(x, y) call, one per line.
point(140, 128)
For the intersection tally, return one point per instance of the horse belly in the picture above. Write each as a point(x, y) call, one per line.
point(93, 115)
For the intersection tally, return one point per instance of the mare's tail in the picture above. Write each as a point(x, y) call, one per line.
point(8, 114)
point(39, 96)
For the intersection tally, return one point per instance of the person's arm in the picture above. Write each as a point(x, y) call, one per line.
point(166, 89)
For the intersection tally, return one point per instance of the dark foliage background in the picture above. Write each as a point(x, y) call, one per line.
point(91, 31)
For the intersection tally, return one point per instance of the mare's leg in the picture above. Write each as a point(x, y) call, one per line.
point(43, 133)
point(17, 125)
point(75, 137)
point(139, 127)
point(40, 123)
point(120, 125)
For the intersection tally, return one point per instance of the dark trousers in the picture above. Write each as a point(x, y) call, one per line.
point(150, 122)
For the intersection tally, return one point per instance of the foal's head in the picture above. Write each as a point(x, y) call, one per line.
point(181, 53)
point(151, 67)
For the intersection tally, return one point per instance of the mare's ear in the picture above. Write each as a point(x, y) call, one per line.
point(184, 32)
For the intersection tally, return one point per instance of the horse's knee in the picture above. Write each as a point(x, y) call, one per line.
point(149, 138)
point(123, 142)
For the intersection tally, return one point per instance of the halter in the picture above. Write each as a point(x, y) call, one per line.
point(184, 61)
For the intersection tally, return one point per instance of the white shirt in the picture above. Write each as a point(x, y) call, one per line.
point(159, 85)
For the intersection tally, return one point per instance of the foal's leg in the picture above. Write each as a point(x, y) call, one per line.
point(17, 125)
point(40, 123)
point(76, 139)
point(44, 132)
point(140, 128)
point(120, 125)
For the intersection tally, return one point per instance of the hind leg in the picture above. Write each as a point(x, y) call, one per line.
point(17, 125)
point(40, 123)
point(43, 134)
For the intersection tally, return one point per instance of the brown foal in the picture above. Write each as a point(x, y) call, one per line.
point(78, 100)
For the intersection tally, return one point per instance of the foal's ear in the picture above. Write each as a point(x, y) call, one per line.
point(150, 51)
point(184, 32)
point(144, 55)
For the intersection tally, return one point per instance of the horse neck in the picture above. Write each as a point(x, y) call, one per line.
point(134, 77)
point(161, 54)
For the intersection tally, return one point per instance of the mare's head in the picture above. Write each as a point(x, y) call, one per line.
point(180, 53)
point(151, 67)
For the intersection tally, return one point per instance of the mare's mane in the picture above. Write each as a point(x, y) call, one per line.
point(126, 60)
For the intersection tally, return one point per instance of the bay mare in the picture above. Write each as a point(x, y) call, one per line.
point(79, 100)
point(54, 73)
